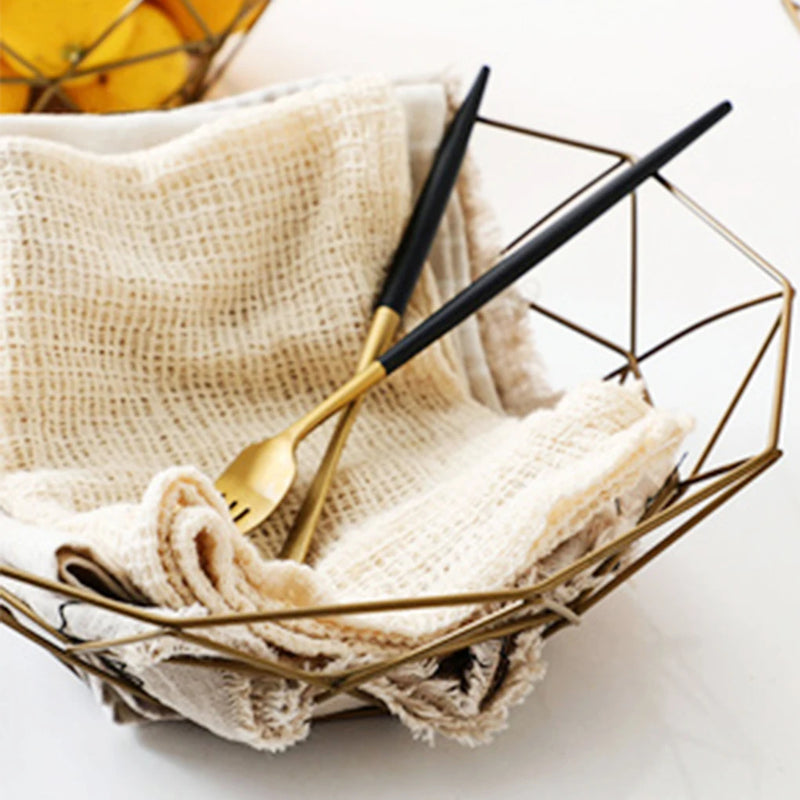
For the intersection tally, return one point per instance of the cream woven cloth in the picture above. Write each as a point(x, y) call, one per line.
point(169, 304)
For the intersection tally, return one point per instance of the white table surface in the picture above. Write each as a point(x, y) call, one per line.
point(684, 683)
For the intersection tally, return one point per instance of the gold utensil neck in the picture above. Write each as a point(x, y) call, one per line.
point(383, 327)
point(345, 394)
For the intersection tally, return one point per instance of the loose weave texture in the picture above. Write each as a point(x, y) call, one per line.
point(171, 305)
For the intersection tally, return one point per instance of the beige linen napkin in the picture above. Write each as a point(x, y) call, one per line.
point(170, 304)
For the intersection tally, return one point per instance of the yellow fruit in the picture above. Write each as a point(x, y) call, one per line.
point(145, 84)
point(13, 96)
point(217, 14)
point(51, 34)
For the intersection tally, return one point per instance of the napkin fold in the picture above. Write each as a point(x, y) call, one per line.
point(178, 285)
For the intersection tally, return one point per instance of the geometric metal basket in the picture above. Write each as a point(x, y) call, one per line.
point(693, 493)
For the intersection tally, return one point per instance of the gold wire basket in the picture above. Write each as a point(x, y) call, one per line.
point(208, 48)
point(683, 502)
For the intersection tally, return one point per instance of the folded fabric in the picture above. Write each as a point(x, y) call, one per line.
point(168, 305)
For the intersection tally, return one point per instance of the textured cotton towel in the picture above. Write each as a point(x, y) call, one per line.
point(170, 305)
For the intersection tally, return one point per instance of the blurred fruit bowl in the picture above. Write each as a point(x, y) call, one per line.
point(116, 55)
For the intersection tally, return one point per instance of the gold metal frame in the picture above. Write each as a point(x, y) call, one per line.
point(793, 10)
point(498, 614)
point(47, 93)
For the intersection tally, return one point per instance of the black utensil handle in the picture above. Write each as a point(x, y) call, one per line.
point(421, 228)
point(533, 252)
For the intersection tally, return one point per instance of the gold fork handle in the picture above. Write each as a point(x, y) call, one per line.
point(343, 396)
point(383, 327)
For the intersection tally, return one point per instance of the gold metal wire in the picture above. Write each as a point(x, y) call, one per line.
point(793, 10)
point(47, 92)
point(503, 614)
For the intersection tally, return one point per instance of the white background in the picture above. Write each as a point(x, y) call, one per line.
point(684, 683)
